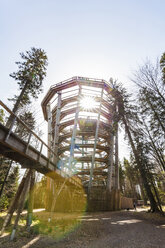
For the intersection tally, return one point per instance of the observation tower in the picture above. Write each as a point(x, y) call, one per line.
point(83, 133)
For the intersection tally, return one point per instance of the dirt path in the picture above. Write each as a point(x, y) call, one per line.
point(125, 229)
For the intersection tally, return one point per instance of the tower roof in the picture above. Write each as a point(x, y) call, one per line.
point(98, 83)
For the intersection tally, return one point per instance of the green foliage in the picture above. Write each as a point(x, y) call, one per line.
point(10, 185)
point(31, 72)
point(151, 100)
point(30, 75)
point(129, 178)
point(40, 192)
point(131, 118)
point(59, 226)
point(4, 202)
point(28, 118)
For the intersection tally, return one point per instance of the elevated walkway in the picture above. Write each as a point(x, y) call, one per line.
point(15, 148)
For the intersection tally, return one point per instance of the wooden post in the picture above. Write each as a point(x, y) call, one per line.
point(14, 203)
point(49, 129)
point(20, 205)
point(55, 198)
point(95, 143)
point(56, 130)
point(72, 146)
point(49, 180)
point(30, 201)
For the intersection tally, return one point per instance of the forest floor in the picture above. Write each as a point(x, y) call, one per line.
point(120, 229)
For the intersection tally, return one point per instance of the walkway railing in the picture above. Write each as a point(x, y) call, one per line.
point(79, 79)
point(28, 141)
point(24, 132)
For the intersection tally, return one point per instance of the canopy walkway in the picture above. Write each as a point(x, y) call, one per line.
point(20, 149)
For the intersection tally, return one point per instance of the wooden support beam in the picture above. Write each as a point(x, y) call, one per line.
point(74, 129)
point(14, 203)
point(95, 144)
point(56, 130)
point(55, 197)
point(49, 127)
point(20, 205)
point(30, 201)
point(49, 180)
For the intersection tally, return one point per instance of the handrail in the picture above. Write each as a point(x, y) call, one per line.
point(62, 173)
point(78, 78)
point(30, 131)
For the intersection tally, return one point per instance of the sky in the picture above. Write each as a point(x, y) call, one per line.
point(90, 38)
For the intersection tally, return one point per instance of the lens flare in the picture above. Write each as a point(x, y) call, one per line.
point(88, 103)
point(62, 205)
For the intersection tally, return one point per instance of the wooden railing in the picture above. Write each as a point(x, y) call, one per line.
point(29, 131)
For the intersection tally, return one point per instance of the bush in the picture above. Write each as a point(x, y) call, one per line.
point(4, 202)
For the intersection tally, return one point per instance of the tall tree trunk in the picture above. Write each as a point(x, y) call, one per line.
point(17, 105)
point(14, 203)
point(30, 201)
point(21, 204)
point(154, 206)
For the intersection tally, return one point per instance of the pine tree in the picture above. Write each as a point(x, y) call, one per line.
point(11, 184)
point(30, 75)
point(131, 178)
point(150, 81)
point(128, 115)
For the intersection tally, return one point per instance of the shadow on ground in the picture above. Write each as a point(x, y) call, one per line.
point(93, 230)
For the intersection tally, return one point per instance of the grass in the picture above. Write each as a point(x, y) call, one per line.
point(56, 225)
point(60, 225)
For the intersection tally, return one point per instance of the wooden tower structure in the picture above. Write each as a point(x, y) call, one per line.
point(82, 132)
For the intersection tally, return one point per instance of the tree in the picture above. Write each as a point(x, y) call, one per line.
point(28, 118)
point(131, 179)
point(30, 75)
point(40, 193)
point(11, 184)
point(128, 115)
point(150, 79)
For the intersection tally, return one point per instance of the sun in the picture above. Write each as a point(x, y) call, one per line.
point(88, 102)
